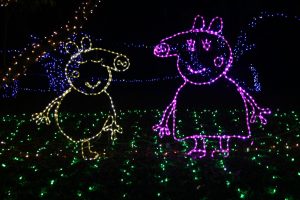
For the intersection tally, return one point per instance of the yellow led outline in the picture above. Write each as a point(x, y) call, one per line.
point(94, 94)
point(110, 124)
point(75, 76)
point(87, 84)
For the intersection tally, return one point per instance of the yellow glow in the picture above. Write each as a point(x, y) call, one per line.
point(110, 125)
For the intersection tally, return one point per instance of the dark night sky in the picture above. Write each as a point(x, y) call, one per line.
point(146, 22)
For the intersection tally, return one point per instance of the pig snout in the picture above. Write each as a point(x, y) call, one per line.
point(121, 62)
point(162, 50)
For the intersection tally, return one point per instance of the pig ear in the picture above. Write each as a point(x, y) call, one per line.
point(86, 42)
point(71, 48)
point(216, 25)
point(199, 22)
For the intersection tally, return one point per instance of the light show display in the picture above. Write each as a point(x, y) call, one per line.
point(160, 99)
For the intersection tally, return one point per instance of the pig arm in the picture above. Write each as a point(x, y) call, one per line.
point(43, 116)
point(111, 124)
point(163, 126)
point(257, 111)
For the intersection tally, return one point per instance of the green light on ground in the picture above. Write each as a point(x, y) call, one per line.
point(272, 191)
point(242, 193)
point(91, 188)
point(227, 183)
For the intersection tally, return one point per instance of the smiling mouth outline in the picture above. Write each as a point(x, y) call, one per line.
point(200, 71)
point(87, 84)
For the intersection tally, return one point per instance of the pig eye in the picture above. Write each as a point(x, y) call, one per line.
point(191, 45)
point(75, 74)
point(206, 44)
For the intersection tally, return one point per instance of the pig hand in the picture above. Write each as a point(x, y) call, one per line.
point(260, 112)
point(114, 128)
point(42, 117)
point(162, 130)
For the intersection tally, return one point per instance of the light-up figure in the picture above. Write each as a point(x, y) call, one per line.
point(203, 58)
point(83, 72)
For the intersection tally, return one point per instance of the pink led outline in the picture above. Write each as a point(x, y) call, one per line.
point(191, 45)
point(206, 44)
point(216, 60)
point(256, 111)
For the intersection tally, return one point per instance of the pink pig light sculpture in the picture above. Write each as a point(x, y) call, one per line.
point(204, 56)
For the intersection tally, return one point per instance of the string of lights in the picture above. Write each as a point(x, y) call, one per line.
point(42, 161)
point(194, 68)
point(89, 85)
point(27, 153)
point(54, 61)
point(35, 51)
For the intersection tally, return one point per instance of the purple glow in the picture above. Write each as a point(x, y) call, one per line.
point(192, 71)
point(191, 45)
point(218, 61)
point(206, 44)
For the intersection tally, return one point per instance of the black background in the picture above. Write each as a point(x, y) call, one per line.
point(147, 22)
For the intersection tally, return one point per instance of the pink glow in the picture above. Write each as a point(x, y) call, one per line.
point(206, 44)
point(218, 61)
point(191, 74)
point(191, 45)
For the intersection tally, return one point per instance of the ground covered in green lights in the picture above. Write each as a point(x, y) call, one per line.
point(39, 162)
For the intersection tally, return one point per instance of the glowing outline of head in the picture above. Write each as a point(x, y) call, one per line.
point(195, 29)
point(89, 49)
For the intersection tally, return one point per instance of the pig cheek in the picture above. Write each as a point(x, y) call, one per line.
point(218, 61)
point(162, 49)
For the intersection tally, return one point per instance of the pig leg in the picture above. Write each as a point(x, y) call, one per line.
point(86, 151)
point(224, 149)
point(200, 153)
